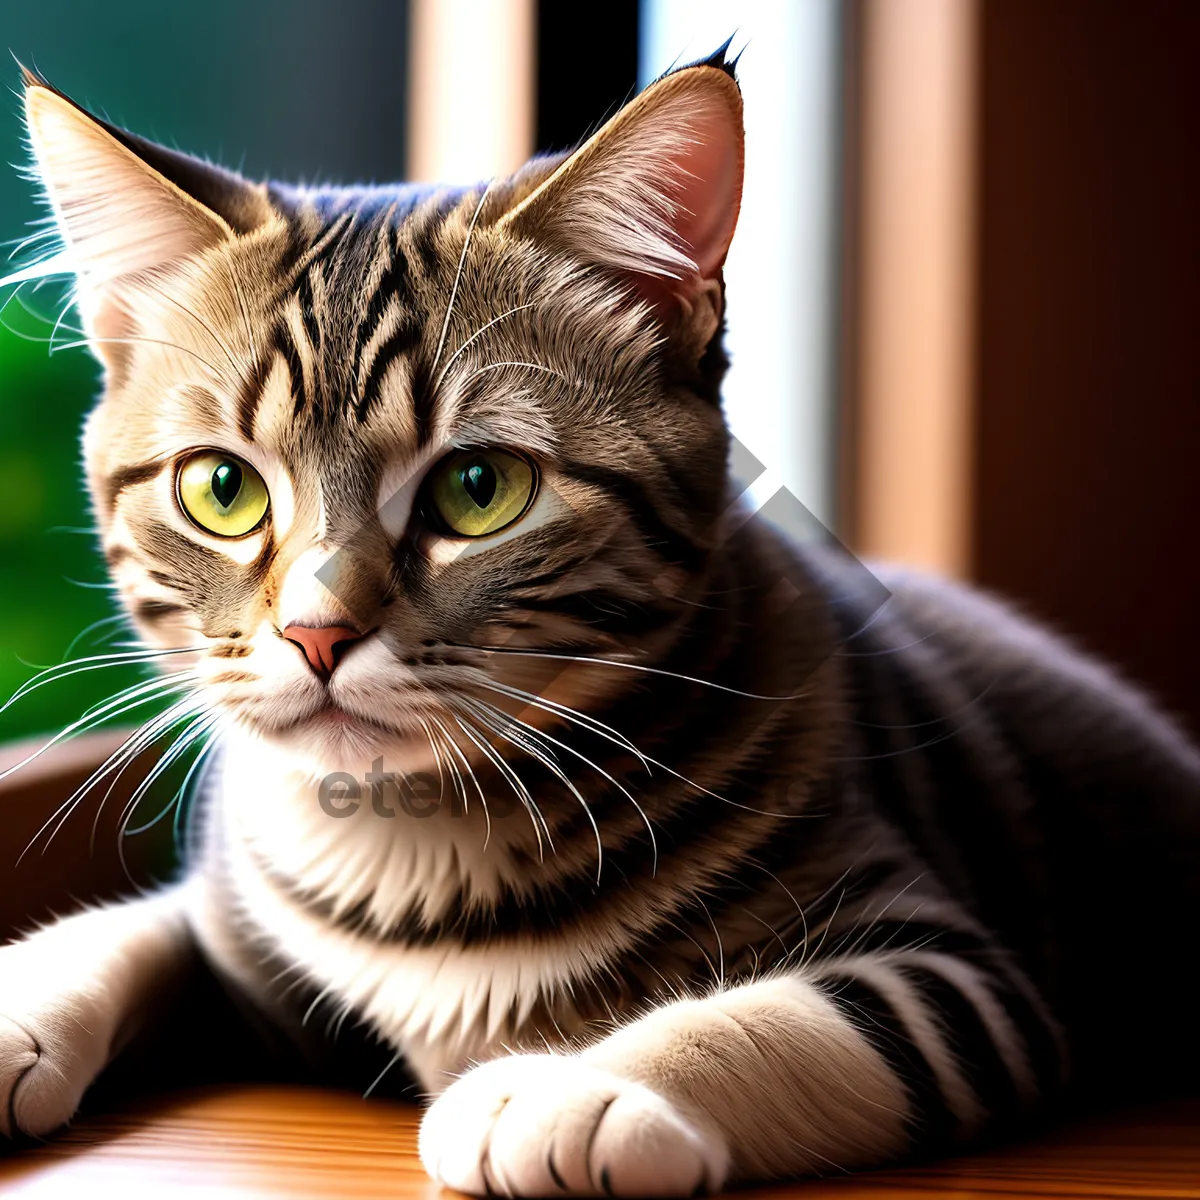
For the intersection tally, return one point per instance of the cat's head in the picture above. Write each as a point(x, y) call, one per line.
point(347, 433)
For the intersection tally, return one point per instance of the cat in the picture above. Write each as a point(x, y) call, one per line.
point(646, 842)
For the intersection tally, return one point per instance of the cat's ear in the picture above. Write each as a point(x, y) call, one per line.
point(655, 193)
point(125, 206)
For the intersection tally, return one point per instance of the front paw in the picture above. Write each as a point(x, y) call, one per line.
point(547, 1124)
point(40, 1086)
point(51, 1049)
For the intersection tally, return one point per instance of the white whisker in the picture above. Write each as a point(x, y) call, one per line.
point(115, 620)
point(182, 742)
point(95, 662)
point(123, 702)
point(601, 730)
point(134, 341)
point(437, 758)
point(496, 366)
point(212, 333)
point(457, 749)
point(572, 714)
point(477, 334)
point(197, 728)
point(462, 260)
point(129, 749)
point(180, 797)
point(517, 784)
point(487, 713)
point(628, 666)
point(600, 770)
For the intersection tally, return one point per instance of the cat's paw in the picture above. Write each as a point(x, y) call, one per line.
point(551, 1125)
point(48, 1058)
point(34, 1098)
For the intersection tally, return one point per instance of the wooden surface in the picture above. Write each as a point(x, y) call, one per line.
point(270, 1142)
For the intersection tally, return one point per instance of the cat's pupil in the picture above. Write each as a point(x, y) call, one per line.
point(479, 480)
point(226, 483)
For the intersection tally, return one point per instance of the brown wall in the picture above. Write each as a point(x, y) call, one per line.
point(1087, 447)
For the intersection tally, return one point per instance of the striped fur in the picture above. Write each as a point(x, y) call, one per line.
point(723, 871)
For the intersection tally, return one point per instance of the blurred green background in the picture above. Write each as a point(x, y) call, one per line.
point(295, 90)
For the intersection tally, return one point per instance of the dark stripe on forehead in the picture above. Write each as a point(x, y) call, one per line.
point(314, 260)
point(308, 313)
point(323, 245)
point(281, 344)
point(425, 244)
point(405, 338)
point(251, 394)
point(658, 536)
point(394, 282)
point(286, 345)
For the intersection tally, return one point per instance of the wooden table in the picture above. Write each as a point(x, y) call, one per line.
point(270, 1142)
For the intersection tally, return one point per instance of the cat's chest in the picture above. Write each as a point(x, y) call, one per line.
point(287, 918)
point(350, 1003)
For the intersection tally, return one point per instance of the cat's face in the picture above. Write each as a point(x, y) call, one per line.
point(349, 437)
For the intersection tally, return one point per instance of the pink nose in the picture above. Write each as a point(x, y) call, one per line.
point(321, 644)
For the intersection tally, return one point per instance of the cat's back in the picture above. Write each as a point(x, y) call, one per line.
point(1078, 727)
point(1054, 794)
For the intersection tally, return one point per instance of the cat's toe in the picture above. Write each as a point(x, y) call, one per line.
point(547, 1125)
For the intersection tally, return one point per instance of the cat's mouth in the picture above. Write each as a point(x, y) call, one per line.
point(331, 716)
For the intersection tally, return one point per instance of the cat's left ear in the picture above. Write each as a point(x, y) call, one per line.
point(655, 193)
point(125, 206)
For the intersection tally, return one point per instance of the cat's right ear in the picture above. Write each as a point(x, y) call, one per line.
point(125, 206)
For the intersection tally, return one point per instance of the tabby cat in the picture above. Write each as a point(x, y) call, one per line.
point(546, 781)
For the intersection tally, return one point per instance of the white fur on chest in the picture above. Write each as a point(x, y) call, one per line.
point(443, 1004)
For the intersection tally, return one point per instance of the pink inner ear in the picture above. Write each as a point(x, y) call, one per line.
point(710, 193)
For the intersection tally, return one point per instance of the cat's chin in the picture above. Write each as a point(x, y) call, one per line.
point(334, 721)
point(333, 739)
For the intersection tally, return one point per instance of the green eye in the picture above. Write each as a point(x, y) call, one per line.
point(222, 494)
point(477, 492)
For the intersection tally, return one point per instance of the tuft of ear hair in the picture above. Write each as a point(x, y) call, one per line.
point(124, 205)
point(655, 193)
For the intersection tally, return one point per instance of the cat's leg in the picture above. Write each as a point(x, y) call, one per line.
point(799, 1074)
point(73, 994)
point(757, 1081)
